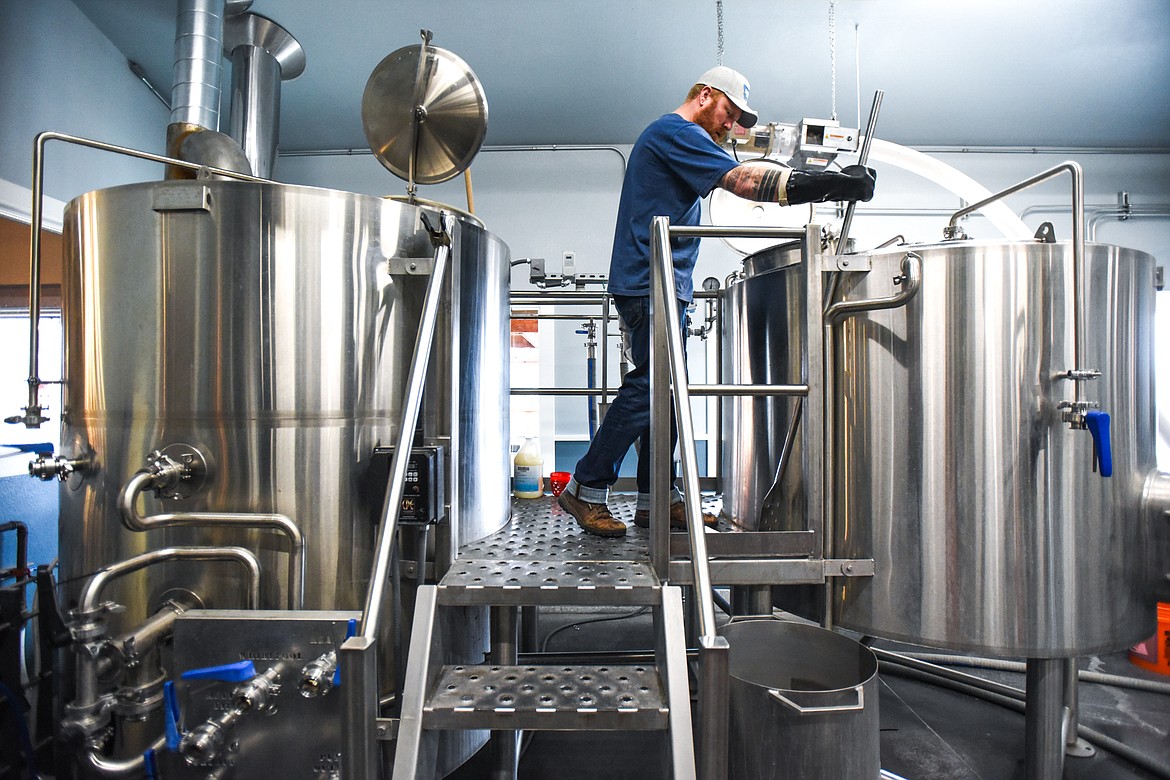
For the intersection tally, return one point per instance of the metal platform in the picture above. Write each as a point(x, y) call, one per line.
point(542, 534)
point(549, 698)
point(541, 531)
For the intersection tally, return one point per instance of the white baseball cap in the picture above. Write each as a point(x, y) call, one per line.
point(733, 84)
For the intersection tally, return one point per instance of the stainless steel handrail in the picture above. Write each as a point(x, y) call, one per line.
point(411, 405)
point(1078, 242)
point(32, 413)
point(663, 300)
point(358, 653)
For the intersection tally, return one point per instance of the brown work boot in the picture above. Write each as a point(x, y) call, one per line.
point(594, 518)
point(678, 517)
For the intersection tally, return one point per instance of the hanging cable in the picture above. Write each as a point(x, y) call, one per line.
point(833, 52)
point(718, 32)
point(857, 67)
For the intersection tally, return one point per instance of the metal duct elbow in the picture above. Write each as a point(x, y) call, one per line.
point(263, 54)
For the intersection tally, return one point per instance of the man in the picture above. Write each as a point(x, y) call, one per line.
point(676, 162)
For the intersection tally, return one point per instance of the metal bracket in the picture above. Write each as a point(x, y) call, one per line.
point(848, 567)
point(1080, 374)
point(410, 266)
point(859, 263)
point(1046, 234)
point(387, 729)
point(181, 197)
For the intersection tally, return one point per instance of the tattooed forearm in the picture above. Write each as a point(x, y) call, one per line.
point(756, 183)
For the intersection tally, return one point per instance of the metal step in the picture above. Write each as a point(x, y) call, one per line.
point(550, 583)
point(548, 698)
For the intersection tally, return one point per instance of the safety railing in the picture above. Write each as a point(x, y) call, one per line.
point(668, 371)
point(358, 657)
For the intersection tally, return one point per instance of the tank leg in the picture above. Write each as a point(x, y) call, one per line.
point(1044, 716)
point(529, 629)
point(505, 745)
point(1073, 745)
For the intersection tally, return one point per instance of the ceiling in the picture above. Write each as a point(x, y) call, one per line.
point(1016, 73)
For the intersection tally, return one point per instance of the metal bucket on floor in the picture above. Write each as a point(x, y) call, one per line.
point(803, 703)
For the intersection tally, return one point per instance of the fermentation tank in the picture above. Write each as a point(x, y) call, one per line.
point(990, 522)
point(263, 333)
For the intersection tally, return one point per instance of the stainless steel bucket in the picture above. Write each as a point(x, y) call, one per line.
point(989, 528)
point(804, 703)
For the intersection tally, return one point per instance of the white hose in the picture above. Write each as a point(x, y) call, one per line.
point(951, 179)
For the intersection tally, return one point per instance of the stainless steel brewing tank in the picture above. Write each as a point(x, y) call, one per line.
point(763, 316)
point(270, 327)
point(989, 528)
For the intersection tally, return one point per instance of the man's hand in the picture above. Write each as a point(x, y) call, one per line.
point(855, 182)
point(865, 179)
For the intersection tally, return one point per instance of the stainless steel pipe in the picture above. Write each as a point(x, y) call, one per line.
point(135, 521)
point(32, 417)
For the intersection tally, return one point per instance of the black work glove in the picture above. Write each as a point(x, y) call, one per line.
point(854, 182)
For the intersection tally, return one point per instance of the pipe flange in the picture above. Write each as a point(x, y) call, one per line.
point(87, 721)
point(141, 701)
point(88, 625)
point(180, 471)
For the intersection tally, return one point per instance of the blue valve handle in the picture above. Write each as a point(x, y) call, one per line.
point(171, 716)
point(237, 672)
point(150, 765)
point(350, 630)
point(1098, 425)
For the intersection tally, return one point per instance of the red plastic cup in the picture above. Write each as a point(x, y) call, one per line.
point(558, 481)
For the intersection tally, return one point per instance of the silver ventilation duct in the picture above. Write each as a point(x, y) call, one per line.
point(198, 43)
point(263, 54)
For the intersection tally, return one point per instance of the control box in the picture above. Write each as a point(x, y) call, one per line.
point(422, 495)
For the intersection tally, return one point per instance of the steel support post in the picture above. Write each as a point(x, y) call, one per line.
point(359, 710)
point(714, 698)
point(505, 745)
point(1043, 718)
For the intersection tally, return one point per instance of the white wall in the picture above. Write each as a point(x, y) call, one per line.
point(61, 74)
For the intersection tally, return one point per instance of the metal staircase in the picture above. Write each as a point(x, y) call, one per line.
point(505, 696)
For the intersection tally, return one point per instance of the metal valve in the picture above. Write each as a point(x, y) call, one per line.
point(319, 676)
point(177, 471)
point(46, 467)
point(206, 742)
point(1073, 413)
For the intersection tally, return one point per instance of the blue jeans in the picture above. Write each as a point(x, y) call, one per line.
point(628, 418)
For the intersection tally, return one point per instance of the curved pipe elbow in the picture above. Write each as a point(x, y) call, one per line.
point(912, 280)
point(92, 591)
point(145, 480)
point(127, 767)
